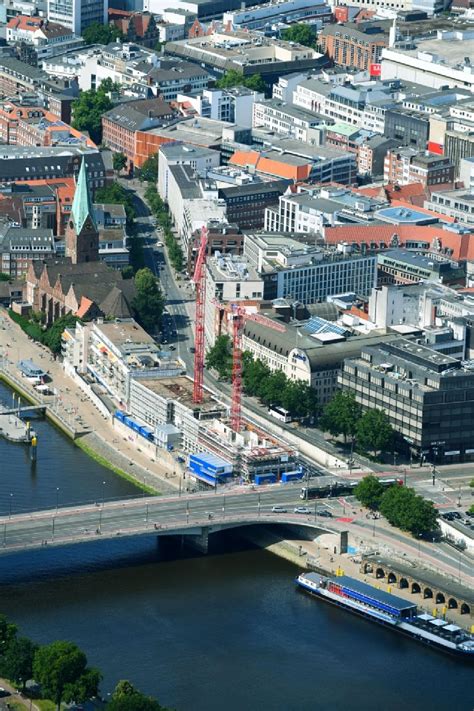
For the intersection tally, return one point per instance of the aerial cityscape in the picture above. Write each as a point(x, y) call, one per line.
point(236, 355)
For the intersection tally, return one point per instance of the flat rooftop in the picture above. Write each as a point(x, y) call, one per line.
point(181, 390)
point(123, 333)
point(449, 51)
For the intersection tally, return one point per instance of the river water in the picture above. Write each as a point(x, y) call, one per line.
point(227, 631)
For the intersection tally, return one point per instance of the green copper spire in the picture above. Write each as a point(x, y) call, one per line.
point(82, 207)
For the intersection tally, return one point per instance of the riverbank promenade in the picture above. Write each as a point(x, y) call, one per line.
point(75, 412)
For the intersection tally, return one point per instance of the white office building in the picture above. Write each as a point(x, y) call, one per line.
point(78, 14)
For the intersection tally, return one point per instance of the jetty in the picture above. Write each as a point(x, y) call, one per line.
point(13, 428)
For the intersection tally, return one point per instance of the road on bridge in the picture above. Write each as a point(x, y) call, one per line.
point(239, 505)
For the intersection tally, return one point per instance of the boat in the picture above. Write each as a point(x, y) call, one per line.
point(389, 610)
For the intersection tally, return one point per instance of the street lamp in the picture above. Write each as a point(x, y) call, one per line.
point(57, 498)
point(103, 493)
point(11, 503)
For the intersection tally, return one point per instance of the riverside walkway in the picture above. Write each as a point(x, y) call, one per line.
point(12, 427)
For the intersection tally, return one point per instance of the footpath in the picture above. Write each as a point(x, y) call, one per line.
point(16, 698)
point(72, 406)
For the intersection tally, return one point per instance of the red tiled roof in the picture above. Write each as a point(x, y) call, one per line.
point(461, 245)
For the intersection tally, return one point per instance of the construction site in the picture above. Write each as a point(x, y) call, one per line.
point(181, 416)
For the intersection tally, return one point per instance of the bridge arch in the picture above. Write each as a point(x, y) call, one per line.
point(415, 588)
point(403, 583)
point(427, 593)
point(465, 609)
point(440, 598)
point(380, 573)
point(452, 604)
point(391, 578)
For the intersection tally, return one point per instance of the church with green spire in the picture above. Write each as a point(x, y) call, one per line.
point(82, 235)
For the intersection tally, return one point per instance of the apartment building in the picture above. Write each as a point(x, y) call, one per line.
point(409, 128)
point(115, 354)
point(198, 158)
point(289, 120)
point(458, 204)
point(46, 38)
point(229, 279)
point(409, 165)
point(354, 45)
point(19, 246)
point(126, 129)
point(361, 103)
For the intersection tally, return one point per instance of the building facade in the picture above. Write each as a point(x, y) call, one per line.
point(427, 396)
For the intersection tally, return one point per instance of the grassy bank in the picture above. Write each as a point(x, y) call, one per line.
point(82, 445)
point(90, 451)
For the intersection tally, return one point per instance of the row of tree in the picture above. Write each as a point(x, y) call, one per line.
point(50, 337)
point(158, 208)
point(148, 303)
point(61, 670)
point(370, 430)
point(272, 388)
point(400, 505)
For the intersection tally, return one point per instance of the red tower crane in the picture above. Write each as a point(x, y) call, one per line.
point(239, 316)
point(199, 278)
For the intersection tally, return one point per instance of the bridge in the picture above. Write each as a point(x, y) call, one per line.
point(194, 516)
point(25, 410)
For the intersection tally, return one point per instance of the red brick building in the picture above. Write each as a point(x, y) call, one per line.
point(354, 45)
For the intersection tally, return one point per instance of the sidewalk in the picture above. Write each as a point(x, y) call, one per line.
point(71, 403)
point(16, 697)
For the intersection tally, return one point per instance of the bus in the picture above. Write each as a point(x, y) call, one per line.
point(279, 413)
point(339, 488)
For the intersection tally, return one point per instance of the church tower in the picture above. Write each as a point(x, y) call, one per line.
point(82, 235)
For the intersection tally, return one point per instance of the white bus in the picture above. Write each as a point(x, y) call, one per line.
point(279, 413)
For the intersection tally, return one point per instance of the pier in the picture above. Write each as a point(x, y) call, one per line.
point(13, 428)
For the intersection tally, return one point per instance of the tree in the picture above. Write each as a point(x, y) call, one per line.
point(127, 272)
point(127, 698)
point(300, 33)
point(219, 357)
point(53, 336)
point(148, 303)
point(90, 106)
point(235, 78)
point(374, 431)
point(60, 668)
point(119, 161)
point(17, 663)
point(403, 508)
point(149, 170)
point(4, 277)
point(116, 194)
point(273, 388)
point(369, 492)
point(299, 398)
point(341, 415)
point(255, 372)
point(96, 33)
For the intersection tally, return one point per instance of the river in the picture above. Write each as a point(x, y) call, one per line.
point(206, 633)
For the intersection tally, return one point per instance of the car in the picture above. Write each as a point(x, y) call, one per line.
point(172, 348)
point(470, 514)
point(4, 692)
point(325, 513)
point(278, 509)
point(302, 510)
